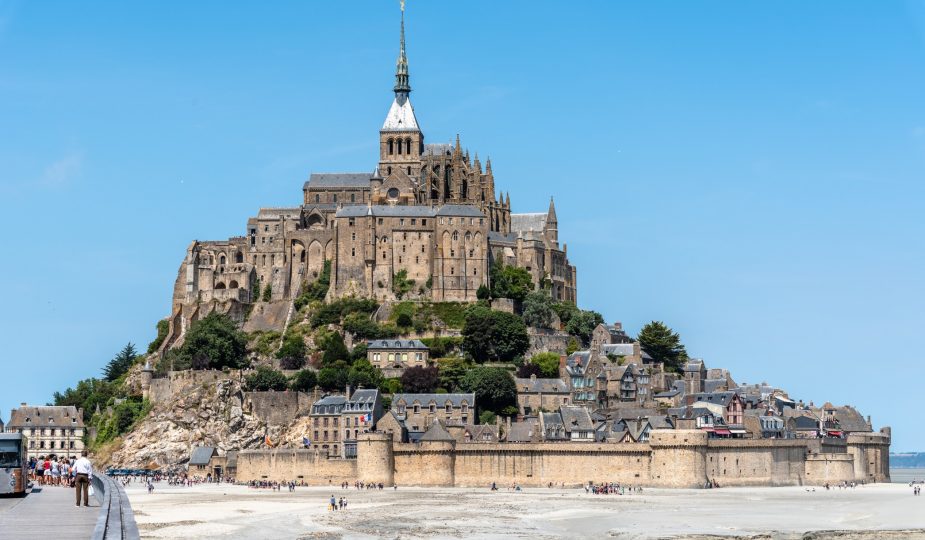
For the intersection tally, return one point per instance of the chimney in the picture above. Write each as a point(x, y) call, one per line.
point(617, 325)
point(22, 404)
point(349, 391)
point(533, 377)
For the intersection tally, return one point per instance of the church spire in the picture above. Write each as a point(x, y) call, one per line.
point(402, 83)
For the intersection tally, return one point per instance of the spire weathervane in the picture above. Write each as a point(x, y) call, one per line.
point(402, 84)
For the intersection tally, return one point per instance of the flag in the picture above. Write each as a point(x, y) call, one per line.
point(305, 442)
point(367, 418)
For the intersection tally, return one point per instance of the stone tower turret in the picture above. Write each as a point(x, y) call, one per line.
point(147, 373)
point(552, 224)
point(375, 461)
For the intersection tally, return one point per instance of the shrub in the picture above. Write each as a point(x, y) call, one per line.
point(364, 374)
point(548, 363)
point(304, 381)
point(216, 339)
point(163, 326)
point(335, 350)
point(292, 353)
point(316, 290)
point(265, 378)
point(582, 324)
point(509, 281)
point(268, 292)
point(537, 309)
point(401, 284)
point(487, 417)
point(418, 379)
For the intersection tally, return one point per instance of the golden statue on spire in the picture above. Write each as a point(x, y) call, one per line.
point(402, 5)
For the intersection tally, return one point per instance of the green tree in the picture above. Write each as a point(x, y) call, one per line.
point(538, 310)
point(452, 370)
point(509, 281)
point(361, 326)
point(565, 311)
point(494, 388)
point(304, 381)
point(529, 369)
point(548, 363)
point(255, 290)
point(334, 350)
point(86, 395)
point(483, 293)
point(364, 374)
point(419, 379)
point(216, 338)
point(358, 352)
point(316, 290)
point(401, 284)
point(390, 386)
point(292, 353)
point(121, 363)
point(582, 324)
point(334, 377)
point(487, 418)
point(572, 345)
point(265, 378)
point(268, 292)
point(494, 335)
point(663, 344)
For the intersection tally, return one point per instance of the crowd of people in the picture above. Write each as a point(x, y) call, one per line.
point(611, 488)
point(52, 471)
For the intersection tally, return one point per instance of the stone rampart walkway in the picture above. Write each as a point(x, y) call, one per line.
point(47, 513)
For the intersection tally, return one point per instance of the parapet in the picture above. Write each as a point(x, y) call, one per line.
point(677, 438)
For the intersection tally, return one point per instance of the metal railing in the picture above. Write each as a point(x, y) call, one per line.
point(116, 520)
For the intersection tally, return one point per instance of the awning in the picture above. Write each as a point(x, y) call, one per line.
point(835, 434)
point(708, 429)
point(723, 432)
point(738, 431)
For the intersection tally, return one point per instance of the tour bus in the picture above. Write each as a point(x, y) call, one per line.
point(14, 464)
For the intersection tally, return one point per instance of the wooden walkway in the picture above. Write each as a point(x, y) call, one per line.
point(47, 513)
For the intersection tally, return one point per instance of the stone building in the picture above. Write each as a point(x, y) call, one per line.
point(325, 422)
point(539, 395)
point(417, 412)
point(360, 413)
point(52, 430)
point(427, 222)
point(393, 356)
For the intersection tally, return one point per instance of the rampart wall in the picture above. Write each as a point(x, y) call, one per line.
point(163, 389)
point(671, 458)
point(277, 408)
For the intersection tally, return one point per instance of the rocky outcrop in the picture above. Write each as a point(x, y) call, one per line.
point(205, 414)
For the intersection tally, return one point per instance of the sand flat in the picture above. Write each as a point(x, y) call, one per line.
point(227, 511)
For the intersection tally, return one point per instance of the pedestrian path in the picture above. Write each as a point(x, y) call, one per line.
point(47, 512)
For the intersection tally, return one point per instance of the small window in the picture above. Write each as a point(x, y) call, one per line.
point(380, 221)
point(353, 236)
point(423, 222)
point(414, 221)
point(353, 197)
point(335, 197)
point(317, 198)
point(350, 221)
point(353, 252)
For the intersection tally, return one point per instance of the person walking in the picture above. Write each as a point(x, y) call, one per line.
point(83, 470)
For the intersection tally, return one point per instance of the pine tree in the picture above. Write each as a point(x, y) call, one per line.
point(663, 344)
point(121, 363)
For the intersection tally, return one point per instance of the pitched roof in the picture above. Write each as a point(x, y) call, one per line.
point(617, 349)
point(415, 344)
point(276, 213)
point(535, 222)
point(338, 180)
point(401, 116)
point(463, 210)
point(436, 433)
point(440, 399)
point(438, 149)
point(64, 415)
point(576, 418)
point(525, 431)
point(364, 396)
point(546, 386)
point(202, 454)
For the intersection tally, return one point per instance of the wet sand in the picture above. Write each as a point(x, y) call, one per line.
point(211, 511)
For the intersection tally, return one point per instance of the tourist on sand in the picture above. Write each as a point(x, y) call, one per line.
point(333, 503)
point(83, 470)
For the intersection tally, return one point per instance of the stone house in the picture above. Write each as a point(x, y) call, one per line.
point(695, 373)
point(362, 409)
point(539, 395)
point(580, 372)
point(200, 461)
point(733, 408)
point(393, 356)
point(395, 428)
point(52, 430)
point(626, 384)
point(417, 412)
point(326, 422)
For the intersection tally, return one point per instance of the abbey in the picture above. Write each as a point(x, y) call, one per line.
point(428, 213)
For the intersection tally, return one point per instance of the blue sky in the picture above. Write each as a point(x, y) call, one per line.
point(752, 174)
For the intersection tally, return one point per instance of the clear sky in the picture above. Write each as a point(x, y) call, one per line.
point(751, 173)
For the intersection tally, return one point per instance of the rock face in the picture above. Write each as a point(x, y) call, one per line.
point(200, 415)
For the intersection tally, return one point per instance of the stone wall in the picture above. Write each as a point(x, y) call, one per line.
point(671, 458)
point(277, 408)
point(546, 341)
point(311, 466)
point(164, 389)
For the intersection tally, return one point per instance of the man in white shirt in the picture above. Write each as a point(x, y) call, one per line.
point(83, 470)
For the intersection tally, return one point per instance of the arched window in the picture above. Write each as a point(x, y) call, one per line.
point(239, 257)
point(399, 147)
point(391, 147)
point(409, 171)
point(221, 260)
point(408, 146)
point(233, 284)
point(219, 286)
point(455, 236)
point(353, 197)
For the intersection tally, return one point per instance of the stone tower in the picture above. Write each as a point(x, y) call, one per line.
point(401, 141)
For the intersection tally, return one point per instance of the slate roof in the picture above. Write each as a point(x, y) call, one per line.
point(438, 149)
point(618, 349)
point(338, 180)
point(713, 385)
point(481, 433)
point(436, 433)
point(535, 222)
point(546, 386)
point(363, 399)
point(693, 365)
point(500, 238)
point(201, 455)
point(329, 405)
point(849, 419)
point(576, 418)
point(52, 416)
point(463, 210)
point(439, 399)
point(276, 213)
point(525, 431)
point(577, 362)
point(411, 344)
point(669, 394)
point(719, 398)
